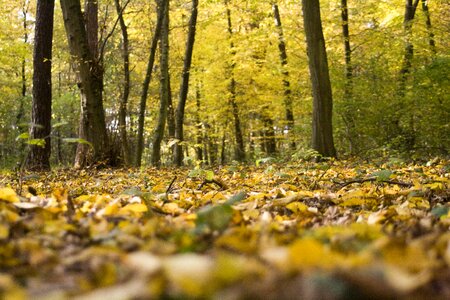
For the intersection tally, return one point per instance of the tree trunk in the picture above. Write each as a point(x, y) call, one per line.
point(431, 40)
point(410, 11)
point(126, 85)
point(21, 111)
point(322, 129)
point(270, 144)
point(347, 114)
point(41, 116)
point(92, 120)
point(170, 116)
point(184, 86)
point(198, 126)
point(285, 73)
point(164, 88)
point(239, 154)
point(145, 85)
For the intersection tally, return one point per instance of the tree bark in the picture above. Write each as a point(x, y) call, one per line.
point(347, 114)
point(39, 158)
point(184, 86)
point(431, 40)
point(126, 84)
point(21, 111)
point(164, 88)
point(285, 73)
point(198, 126)
point(90, 72)
point(239, 154)
point(410, 11)
point(170, 116)
point(148, 77)
point(322, 129)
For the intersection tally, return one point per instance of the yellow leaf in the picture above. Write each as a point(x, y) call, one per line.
point(250, 214)
point(8, 194)
point(136, 207)
point(4, 231)
point(353, 202)
point(297, 207)
point(190, 273)
point(111, 209)
point(308, 253)
point(172, 208)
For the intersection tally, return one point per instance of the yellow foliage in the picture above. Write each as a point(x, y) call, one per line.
point(8, 194)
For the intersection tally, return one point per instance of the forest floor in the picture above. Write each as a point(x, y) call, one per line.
point(330, 230)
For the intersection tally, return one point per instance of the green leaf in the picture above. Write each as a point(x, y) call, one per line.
point(133, 191)
point(382, 175)
point(60, 124)
point(23, 136)
point(217, 217)
point(264, 160)
point(214, 217)
point(77, 140)
point(195, 173)
point(236, 198)
point(440, 211)
point(209, 175)
point(37, 142)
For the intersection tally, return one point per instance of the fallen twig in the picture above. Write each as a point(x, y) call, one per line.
point(170, 185)
point(374, 179)
point(217, 182)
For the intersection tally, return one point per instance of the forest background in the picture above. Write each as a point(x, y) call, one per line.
point(389, 79)
point(257, 99)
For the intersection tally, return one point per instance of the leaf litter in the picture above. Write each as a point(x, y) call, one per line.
point(332, 230)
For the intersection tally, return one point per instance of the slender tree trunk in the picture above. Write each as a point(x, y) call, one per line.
point(240, 149)
point(348, 88)
point(90, 72)
point(126, 85)
point(171, 116)
point(184, 86)
point(164, 88)
point(285, 73)
point(148, 77)
point(431, 40)
point(22, 99)
point(322, 129)
point(41, 116)
point(21, 112)
point(198, 126)
point(410, 11)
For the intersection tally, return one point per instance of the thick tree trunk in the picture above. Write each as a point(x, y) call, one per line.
point(285, 73)
point(270, 145)
point(164, 88)
point(92, 120)
point(322, 129)
point(184, 86)
point(431, 40)
point(41, 116)
point(239, 154)
point(126, 85)
point(145, 85)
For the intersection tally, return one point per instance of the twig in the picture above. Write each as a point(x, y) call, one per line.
point(374, 179)
point(170, 185)
point(217, 182)
point(314, 184)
